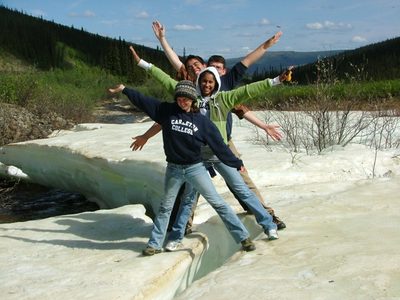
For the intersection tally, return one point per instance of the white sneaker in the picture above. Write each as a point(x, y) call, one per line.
point(272, 234)
point(173, 245)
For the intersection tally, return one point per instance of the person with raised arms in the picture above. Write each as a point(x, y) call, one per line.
point(216, 105)
point(229, 79)
point(185, 130)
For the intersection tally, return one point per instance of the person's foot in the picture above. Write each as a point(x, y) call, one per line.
point(248, 245)
point(279, 223)
point(149, 251)
point(117, 89)
point(272, 234)
point(173, 245)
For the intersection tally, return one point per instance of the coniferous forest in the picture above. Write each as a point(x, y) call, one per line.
point(44, 44)
point(380, 61)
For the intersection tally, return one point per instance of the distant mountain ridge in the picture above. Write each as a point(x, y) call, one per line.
point(378, 61)
point(279, 60)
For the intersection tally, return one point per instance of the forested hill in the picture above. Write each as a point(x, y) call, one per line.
point(379, 61)
point(44, 44)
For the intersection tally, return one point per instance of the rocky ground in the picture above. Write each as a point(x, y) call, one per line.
point(18, 124)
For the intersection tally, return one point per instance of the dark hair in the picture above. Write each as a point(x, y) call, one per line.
point(189, 57)
point(216, 81)
point(216, 58)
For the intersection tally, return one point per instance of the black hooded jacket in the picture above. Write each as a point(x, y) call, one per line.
point(183, 133)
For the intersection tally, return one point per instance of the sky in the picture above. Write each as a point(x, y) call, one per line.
point(230, 28)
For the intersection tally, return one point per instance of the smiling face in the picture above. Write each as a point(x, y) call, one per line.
point(184, 103)
point(194, 67)
point(207, 83)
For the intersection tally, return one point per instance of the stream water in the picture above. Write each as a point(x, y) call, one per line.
point(22, 201)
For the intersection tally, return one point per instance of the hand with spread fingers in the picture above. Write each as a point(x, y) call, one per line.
point(138, 143)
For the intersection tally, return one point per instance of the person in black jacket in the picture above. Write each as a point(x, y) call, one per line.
point(184, 131)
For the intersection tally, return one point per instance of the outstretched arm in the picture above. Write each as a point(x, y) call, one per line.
point(257, 53)
point(271, 130)
point(141, 140)
point(159, 31)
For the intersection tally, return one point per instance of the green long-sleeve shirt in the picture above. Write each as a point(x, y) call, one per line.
point(221, 102)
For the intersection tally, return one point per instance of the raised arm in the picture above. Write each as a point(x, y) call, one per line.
point(163, 78)
point(134, 54)
point(159, 31)
point(257, 53)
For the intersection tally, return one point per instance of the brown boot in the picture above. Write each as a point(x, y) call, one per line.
point(279, 223)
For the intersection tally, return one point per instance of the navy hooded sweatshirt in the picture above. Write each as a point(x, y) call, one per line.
point(183, 132)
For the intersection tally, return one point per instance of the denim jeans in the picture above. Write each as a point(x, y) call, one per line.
point(233, 178)
point(197, 176)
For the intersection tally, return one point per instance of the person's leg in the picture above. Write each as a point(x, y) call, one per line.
point(235, 181)
point(188, 201)
point(249, 182)
point(200, 180)
point(192, 196)
point(176, 207)
point(173, 181)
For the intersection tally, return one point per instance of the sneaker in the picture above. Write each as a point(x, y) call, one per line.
point(173, 245)
point(248, 245)
point(272, 234)
point(279, 223)
point(149, 251)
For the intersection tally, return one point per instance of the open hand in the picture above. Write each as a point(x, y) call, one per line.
point(273, 132)
point(159, 30)
point(117, 89)
point(138, 143)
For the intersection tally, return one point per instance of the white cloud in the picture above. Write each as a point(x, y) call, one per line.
point(142, 15)
point(315, 26)
point(185, 27)
point(358, 39)
point(328, 25)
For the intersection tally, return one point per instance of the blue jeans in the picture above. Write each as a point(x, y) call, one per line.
point(235, 181)
point(197, 176)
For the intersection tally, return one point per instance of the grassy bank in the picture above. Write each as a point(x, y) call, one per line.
point(74, 91)
point(364, 94)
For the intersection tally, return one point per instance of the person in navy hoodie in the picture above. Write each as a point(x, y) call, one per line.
point(184, 131)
